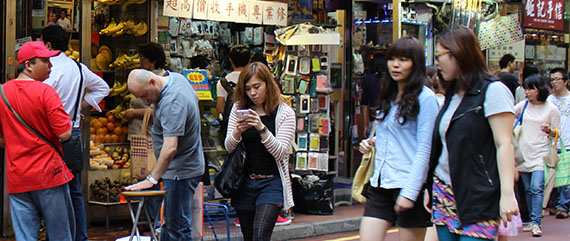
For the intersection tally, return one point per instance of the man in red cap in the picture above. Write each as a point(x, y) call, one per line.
point(37, 178)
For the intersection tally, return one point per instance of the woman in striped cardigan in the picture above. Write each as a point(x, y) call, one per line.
point(266, 125)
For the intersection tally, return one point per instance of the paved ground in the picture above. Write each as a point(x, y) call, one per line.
point(553, 230)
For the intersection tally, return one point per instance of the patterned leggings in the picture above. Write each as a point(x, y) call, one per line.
point(258, 225)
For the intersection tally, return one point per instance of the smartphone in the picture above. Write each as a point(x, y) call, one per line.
point(242, 112)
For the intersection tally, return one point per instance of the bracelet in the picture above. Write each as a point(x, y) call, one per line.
point(263, 130)
point(151, 179)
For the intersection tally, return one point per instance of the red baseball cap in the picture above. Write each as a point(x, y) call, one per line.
point(35, 49)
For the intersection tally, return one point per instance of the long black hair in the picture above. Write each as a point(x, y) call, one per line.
point(409, 106)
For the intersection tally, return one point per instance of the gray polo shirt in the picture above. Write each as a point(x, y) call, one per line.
point(177, 114)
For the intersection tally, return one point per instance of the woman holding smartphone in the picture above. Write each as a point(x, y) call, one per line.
point(404, 127)
point(266, 125)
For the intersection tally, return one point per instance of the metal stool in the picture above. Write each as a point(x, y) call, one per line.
point(141, 197)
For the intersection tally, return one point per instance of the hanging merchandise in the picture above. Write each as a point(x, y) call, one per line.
point(500, 31)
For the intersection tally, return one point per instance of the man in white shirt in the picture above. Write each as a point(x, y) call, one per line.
point(63, 21)
point(70, 81)
point(561, 98)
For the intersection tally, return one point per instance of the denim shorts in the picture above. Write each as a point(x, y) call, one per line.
point(255, 192)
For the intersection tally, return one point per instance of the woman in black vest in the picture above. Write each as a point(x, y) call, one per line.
point(472, 164)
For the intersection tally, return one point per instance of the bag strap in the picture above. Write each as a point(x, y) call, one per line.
point(146, 119)
point(226, 84)
point(26, 124)
point(78, 100)
point(519, 120)
point(563, 147)
point(556, 137)
point(373, 131)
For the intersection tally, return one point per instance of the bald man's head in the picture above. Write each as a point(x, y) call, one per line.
point(144, 84)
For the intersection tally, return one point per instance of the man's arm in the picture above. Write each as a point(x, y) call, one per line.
point(131, 113)
point(64, 136)
point(166, 155)
point(98, 89)
point(220, 104)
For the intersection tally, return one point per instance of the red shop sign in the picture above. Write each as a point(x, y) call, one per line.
point(544, 14)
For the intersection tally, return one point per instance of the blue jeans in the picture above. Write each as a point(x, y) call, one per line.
point(534, 189)
point(54, 204)
point(562, 198)
point(444, 235)
point(178, 209)
point(78, 208)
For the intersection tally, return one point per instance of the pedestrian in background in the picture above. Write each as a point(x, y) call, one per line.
point(266, 126)
point(371, 85)
point(177, 146)
point(407, 111)
point(36, 175)
point(538, 116)
point(472, 158)
point(560, 97)
point(79, 88)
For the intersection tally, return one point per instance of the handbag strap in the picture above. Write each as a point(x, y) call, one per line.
point(563, 147)
point(26, 124)
point(373, 131)
point(556, 137)
point(146, 119)
point(77, 101)
point(519, 120)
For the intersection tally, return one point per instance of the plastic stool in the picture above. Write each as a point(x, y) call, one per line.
point(141, 197)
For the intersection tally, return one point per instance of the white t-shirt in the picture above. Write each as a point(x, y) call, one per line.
point(563, 105)
point(64, 23)
point(498, 99)
point(231, 77)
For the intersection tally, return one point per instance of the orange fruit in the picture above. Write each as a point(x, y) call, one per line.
point(107, 139)
point(117, 130)
point(110, 126)
point(92, 122)
point(103, 120)
point(114, 138)
point(125, 130)
point(107, 114)
point(111, 118)
point(118, 124)
point(92, 130)
point(97, 124)
point(101, 131)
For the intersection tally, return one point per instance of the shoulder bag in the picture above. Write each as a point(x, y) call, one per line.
point(364, 171)
point(517, 133)
point(229, 180)
point(38, 134)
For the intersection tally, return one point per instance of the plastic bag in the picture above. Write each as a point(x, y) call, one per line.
point(512, 228)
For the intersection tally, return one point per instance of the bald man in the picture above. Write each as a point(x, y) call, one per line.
point(177, 146)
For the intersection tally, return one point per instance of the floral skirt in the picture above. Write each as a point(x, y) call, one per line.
point(445, 214)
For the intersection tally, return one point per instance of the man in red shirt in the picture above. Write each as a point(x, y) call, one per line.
point(37, 178)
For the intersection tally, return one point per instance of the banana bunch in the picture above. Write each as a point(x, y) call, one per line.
point(125, 61)
point(119, 111)
point(72, 54)
point(115, 29)
point(128, 97)
point(119, 89)
point(104, 58)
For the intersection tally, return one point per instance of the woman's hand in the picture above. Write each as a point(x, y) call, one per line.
point(509, 207)
point(403, 204)
point(427, 201)
point(545, 128)
point(253, 119)
point(366, 145)
point(241, 126)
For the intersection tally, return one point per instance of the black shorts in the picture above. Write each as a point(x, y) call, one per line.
point(380, 204)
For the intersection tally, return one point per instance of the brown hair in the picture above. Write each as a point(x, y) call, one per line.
point(272, 92)
point(464, 47)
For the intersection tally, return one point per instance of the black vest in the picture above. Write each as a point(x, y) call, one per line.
point(472, 157)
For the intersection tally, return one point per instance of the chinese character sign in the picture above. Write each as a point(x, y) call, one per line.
point(544, 14)
point(242, 11)
point(201, 9)
point(256, 12)
point(199, 81)
point(171, 8)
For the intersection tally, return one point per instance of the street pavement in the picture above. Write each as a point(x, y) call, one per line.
point(553, 230)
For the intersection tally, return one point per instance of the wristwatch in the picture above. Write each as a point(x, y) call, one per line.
point(151, 179)
point(263, 130)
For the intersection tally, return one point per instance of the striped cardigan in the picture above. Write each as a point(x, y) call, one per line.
point(279, 146)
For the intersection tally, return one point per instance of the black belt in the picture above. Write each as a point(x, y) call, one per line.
point(259, 176)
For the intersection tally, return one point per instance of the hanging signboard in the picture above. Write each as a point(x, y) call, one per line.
point(239, 11)
point(199, 81)
point(544, 14)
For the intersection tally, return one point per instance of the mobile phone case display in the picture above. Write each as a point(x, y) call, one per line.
point(305, 77)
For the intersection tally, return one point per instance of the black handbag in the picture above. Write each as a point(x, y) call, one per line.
point(73, 148)
point(229, 180)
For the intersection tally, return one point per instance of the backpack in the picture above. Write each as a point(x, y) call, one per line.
point(229, 87)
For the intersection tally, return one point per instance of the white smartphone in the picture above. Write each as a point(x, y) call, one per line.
point(242, 112)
